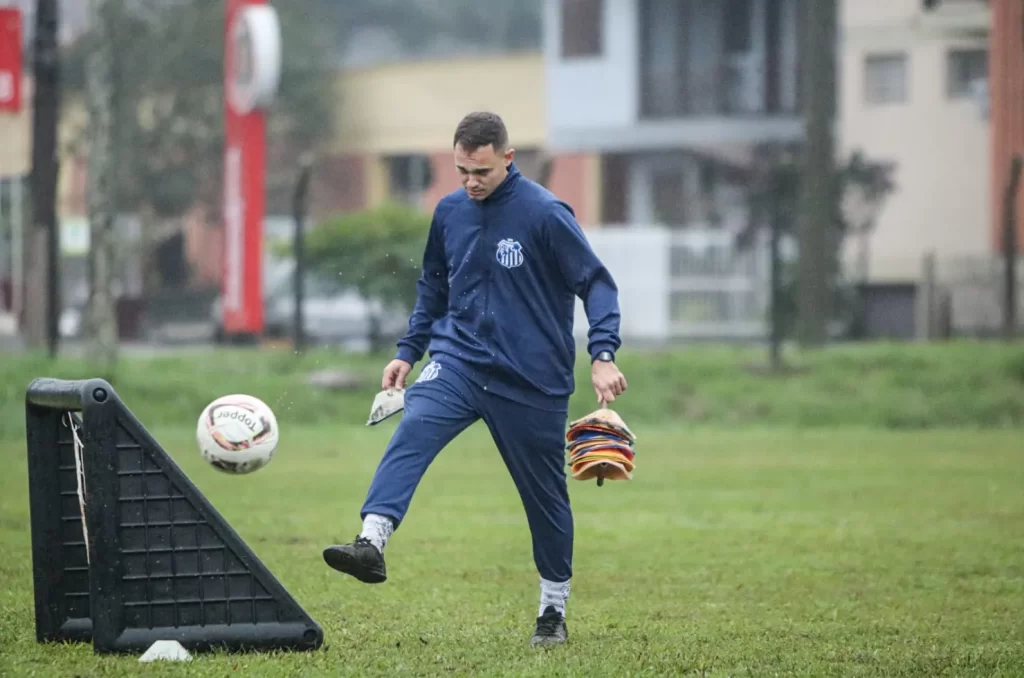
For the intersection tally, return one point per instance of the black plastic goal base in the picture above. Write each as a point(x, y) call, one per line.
point(159, 561)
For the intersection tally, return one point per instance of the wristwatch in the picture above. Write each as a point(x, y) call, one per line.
point(605, 357)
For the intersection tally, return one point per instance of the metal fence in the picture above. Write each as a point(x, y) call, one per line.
point(966, 295)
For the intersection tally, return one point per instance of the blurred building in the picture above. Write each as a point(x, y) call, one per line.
point(1006, 87)
point(16, 129)
point(674, 95)
point(15, 167)
point(15, 162)
point(394, 137)
point(913, 90)
point(671, 95)
point(650, 111)
point(670, 99)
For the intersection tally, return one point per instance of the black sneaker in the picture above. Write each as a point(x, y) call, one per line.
point(551, 629)
point(361, 559)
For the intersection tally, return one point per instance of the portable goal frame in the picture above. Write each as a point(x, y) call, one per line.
point(153, 559)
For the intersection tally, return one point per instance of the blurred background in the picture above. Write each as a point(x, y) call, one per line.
point(750, 170)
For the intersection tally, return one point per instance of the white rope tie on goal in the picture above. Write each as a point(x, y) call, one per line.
point(80, 477)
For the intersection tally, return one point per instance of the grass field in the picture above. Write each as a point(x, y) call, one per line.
point(906, 387)
point(753, 552)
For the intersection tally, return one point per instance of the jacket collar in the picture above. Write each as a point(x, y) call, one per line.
point(506, 187)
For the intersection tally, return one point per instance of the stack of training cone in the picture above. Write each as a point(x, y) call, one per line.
point(600, 446)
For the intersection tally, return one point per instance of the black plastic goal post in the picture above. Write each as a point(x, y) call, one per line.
point(153, 560)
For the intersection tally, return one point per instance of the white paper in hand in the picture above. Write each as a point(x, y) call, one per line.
point(167, 650)
point(387, 403)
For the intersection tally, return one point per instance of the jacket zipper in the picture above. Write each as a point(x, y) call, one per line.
point(486, 324)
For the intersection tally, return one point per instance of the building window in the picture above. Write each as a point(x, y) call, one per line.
point(615, 189)
point(885, 78)
point(581, 28)
point(965, 67)
point(409, 177)
point(717, 57)
point(687, 191)
point(669, 193)
point(530, 162)
point(663, 64)
point(738, 28)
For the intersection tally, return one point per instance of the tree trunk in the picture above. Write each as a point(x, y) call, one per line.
point(300, 200)
point(775, 263)
point(1010, 248)
point(42, 239)
point(101, 317)
point(375, 338)
point(150, 226)
point(35, 301)
point(545, 170)
point(818, 194)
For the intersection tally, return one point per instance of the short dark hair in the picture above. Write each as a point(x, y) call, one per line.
point(480, 129)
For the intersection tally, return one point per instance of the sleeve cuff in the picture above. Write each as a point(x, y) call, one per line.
point(407, 354)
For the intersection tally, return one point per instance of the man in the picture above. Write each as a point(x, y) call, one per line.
point(503, 264)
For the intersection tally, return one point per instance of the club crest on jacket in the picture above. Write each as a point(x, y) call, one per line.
point(510, 253)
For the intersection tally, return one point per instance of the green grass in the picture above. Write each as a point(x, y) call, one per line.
point(860, 516)
point(956, 385)
point(754, 552)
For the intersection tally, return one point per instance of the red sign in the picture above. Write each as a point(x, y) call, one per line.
point(252, 52)
point(10, 60)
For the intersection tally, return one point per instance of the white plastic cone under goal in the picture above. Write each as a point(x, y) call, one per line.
point(169, 650)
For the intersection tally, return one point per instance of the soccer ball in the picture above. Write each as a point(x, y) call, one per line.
point(237, 434)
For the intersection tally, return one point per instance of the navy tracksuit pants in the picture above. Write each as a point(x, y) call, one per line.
point(531, 441)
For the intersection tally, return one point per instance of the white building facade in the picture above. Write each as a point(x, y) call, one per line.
point(671, 93)
point(672, 97)
point(912, 92)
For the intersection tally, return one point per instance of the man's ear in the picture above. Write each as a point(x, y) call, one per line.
point(509, 154)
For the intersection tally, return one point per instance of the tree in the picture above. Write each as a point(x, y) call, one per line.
point(378, 251)
point(864, 187)
point(169, 66)
point(774, 200)
point(818, 194)
point(101, 313)
point(42, 246)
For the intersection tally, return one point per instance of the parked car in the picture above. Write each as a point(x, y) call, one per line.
point(333, 313)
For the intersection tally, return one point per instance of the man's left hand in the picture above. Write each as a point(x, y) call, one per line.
point(608, 381)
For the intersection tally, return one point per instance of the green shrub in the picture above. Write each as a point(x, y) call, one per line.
point(378, 251)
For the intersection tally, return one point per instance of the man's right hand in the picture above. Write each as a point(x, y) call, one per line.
point(395, 374)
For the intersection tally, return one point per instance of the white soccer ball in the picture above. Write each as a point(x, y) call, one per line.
point(237, 434)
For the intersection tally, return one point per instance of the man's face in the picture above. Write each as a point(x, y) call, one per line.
point(482, 170)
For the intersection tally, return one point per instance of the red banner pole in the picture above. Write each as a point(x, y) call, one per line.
point(251, 68)
point(10, 103)
point(10, 59)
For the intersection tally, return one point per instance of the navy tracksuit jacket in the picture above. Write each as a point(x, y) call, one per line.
point(495, 310)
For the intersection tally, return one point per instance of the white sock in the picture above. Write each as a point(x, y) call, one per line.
point(554, 594)
point(377, 529)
